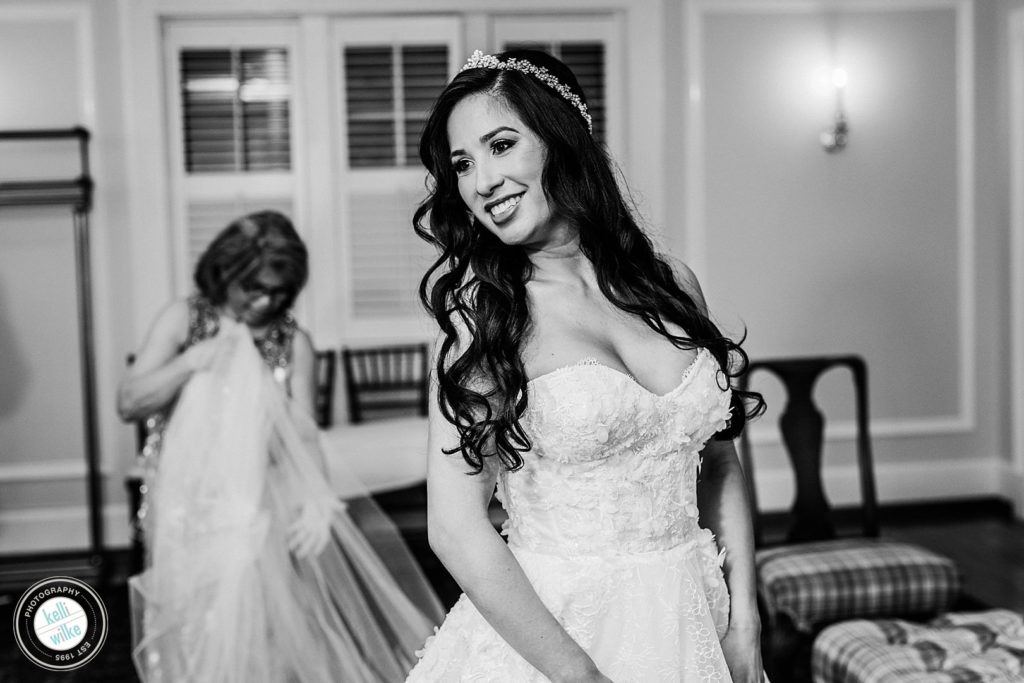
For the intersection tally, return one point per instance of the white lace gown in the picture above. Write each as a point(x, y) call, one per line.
point(603, 520)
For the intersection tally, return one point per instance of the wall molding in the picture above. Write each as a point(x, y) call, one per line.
point(1016, 261)
point(42, 471)
point(60, 528)
point(897, 482)
point(763, 433)
point(66, 469)
point(695, 239)
point(80, 14)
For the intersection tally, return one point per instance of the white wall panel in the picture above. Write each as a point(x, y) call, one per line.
point(867, 250)
point(46, 71)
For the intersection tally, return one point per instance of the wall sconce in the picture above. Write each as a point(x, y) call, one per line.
point(834, 138)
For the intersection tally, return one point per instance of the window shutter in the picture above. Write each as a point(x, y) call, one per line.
point(265, 94)
point(369, 92)
point(387, 258)
point(425, 73)
point(389, 90)
point(208, 88)
point(587, 61)
point(392, 75)
point(235, 110)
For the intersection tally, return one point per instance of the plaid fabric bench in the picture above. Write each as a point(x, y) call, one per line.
point(975, 647)
point(815, 584)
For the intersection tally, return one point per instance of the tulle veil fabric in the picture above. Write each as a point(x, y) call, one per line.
point(223, 599)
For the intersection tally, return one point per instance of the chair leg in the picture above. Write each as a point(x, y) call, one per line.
point(137, 555)
point(786, 652)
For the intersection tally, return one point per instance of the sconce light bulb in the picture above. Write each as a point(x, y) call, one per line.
point(839, 78)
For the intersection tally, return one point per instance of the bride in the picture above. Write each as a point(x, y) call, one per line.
point(256, 571)
point(582, 376)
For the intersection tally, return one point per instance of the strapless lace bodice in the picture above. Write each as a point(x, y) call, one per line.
point(613, 466)
point(602, 519)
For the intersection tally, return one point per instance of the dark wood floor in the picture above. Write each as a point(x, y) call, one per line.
point(981, 536)
point(987, 545)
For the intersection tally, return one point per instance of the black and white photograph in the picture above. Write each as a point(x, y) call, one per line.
point(569, 341)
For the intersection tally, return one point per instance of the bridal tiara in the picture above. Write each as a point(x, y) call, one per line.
point(478, 60)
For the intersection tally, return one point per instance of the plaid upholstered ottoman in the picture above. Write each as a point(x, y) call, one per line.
point(974, 647)
point(816, 584)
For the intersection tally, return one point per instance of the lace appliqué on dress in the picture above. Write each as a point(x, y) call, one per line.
point(603, 519)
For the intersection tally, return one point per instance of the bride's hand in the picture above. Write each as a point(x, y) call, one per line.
point(742, 649)
point(309, 534)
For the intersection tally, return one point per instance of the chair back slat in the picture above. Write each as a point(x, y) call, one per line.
point(385, 380)
point(803, 429)
point(325, 369)
point(802, 425)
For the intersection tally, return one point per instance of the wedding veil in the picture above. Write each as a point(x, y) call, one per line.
point(223, 599)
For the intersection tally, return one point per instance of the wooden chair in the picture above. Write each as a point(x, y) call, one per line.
point(814, 577)
point(382, 382)
point(385, 380)
point(325, 370)
point(133, 484)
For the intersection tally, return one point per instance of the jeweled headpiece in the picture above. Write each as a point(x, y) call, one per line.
point(478, 60)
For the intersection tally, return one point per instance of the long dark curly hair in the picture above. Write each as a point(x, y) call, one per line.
point(476, 289)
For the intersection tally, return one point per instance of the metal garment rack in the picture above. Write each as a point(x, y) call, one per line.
point(75, 193)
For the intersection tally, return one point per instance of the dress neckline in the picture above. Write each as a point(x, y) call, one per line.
point(592, 362)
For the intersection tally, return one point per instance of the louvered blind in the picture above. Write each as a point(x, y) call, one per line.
point(370, 94)
point(425, 73)
point(206, 218)
point(387, 260)
point(388, 91)
point(587, 61)
point(236, 110)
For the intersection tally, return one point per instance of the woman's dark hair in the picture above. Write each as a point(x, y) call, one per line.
point(246, 246)
point(478, 284)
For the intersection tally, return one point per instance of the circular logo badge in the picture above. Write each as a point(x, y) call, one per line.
point(60, 623)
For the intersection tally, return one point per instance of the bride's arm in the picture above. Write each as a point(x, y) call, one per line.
point(463, 538)
point(725, 510)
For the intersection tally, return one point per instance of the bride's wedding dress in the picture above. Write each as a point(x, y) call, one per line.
point(603, 520)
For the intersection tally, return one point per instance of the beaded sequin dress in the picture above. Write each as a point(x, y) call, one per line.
point(275, 347)
point(222, 599)
point(602, 518)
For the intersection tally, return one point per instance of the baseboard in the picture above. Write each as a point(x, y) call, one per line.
point(939, 480)
point(1012, 487)
point(897, 514)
